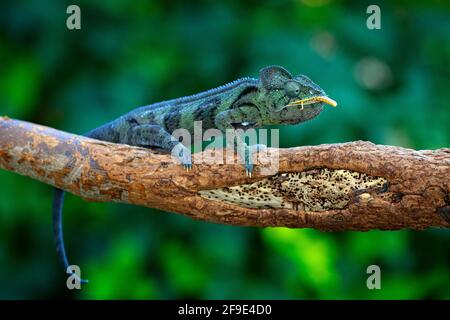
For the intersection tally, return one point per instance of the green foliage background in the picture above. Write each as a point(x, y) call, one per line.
point(392, 86)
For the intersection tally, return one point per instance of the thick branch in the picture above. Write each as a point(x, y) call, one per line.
point(415, 195)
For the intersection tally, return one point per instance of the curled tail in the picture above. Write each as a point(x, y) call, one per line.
point(58, 202)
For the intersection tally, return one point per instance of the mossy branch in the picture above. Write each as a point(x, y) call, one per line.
point(415, 195)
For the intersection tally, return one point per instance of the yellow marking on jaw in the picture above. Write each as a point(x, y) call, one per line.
point(311, 100)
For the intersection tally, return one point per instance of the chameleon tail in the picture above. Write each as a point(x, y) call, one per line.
point(58, 202)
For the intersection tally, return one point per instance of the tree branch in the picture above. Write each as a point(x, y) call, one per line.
point(381, 187)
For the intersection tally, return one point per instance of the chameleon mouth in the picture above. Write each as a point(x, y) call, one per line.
point(312, 100)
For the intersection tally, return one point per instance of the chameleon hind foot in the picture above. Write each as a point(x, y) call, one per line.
point(183, 155)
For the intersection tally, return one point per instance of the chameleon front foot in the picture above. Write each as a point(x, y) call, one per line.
point(248, 157)
point(248, 170)
point(257, 148)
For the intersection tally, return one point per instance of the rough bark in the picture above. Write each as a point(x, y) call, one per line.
point(417, 193)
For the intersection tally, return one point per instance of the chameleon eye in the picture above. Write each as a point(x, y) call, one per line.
point(292, 89)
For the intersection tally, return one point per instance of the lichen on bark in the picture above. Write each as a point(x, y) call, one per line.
point(316, 190)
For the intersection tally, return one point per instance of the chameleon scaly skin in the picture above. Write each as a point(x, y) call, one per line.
point(276, 97)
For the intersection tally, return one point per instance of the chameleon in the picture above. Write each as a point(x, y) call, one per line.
point(275, 98)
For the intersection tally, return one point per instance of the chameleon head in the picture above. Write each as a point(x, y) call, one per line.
point(295, 99)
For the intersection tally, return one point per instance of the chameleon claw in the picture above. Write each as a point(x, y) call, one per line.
point(187, 167)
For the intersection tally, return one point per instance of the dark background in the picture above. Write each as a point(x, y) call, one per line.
point(392, 86)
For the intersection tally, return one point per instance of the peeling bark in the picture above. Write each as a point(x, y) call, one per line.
point(417, 193)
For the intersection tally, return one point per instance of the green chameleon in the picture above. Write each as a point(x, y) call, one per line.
point(275, 98)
